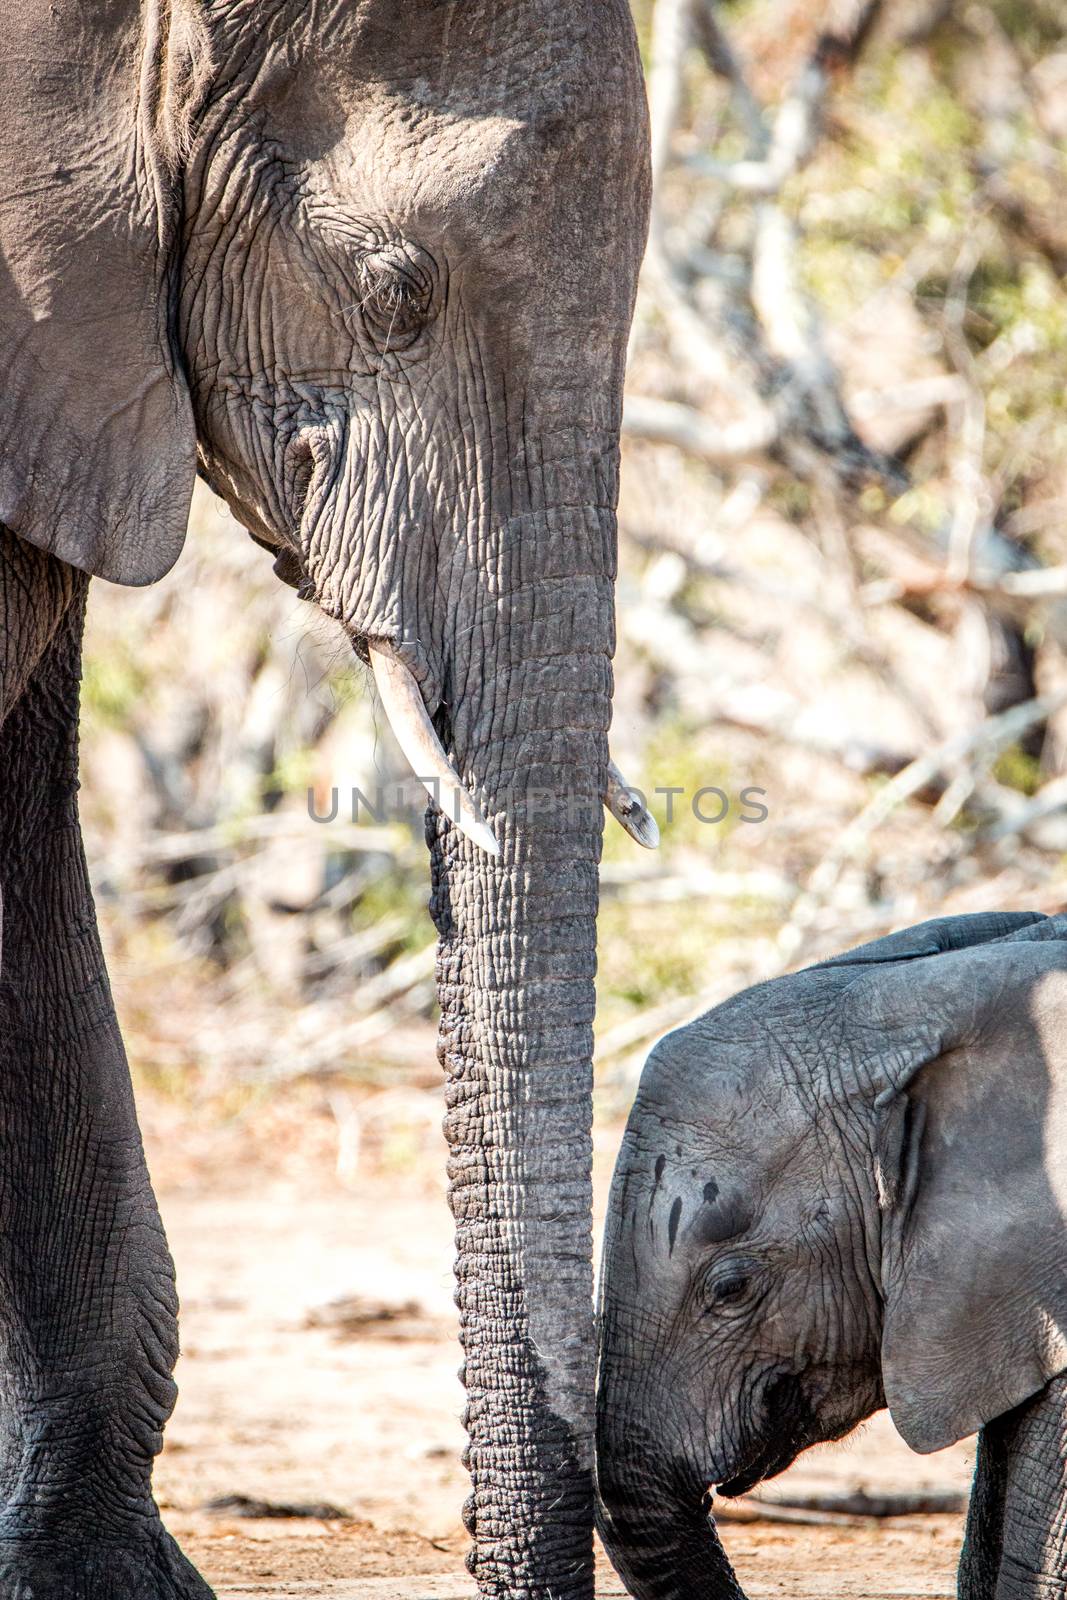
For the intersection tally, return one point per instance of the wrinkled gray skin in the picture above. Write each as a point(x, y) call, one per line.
point(370, 266)
point(841, 1190)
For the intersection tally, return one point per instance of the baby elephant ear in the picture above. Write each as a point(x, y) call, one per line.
point(97, 447)
point(972, 1159)
point(934, 937)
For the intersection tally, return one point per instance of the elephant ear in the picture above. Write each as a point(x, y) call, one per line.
point(97, 446)
point(971, 1142)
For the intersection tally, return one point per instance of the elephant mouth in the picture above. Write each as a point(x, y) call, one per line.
point(792, 1426)
point(743, 1483)
point(768, 1464)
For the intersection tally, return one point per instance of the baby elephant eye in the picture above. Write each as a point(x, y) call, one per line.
point(727, 1284)
point(729, 1288)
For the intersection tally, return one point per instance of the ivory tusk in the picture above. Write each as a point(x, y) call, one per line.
point(417, 737)
point(627, 807)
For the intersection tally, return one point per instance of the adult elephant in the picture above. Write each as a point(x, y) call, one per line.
point(369, 266)
point(840, 1190)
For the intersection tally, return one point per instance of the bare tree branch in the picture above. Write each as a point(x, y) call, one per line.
point(667, 422)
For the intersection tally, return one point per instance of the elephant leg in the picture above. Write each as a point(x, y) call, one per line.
point(88, 1334)
point(1016, 1542)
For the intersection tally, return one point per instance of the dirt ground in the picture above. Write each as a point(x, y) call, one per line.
point(319, 1372)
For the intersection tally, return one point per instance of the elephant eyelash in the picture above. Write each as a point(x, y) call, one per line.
point(393, 303)
point(729, 1289)
point(726, 1295)
point(396, 302)
point(727, 1286)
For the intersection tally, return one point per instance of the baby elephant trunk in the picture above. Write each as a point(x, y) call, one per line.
point(653, 1516)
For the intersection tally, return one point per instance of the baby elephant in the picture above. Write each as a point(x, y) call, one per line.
point(842, 1190)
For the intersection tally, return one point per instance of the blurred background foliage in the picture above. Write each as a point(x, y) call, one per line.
point(843, 582)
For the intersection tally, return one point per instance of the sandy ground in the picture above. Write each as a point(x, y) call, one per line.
point(289, 1399)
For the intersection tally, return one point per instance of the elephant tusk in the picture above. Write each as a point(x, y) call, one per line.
point(627, 807)
point(417, 738)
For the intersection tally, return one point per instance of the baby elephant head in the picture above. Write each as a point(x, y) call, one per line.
point(837, 1191)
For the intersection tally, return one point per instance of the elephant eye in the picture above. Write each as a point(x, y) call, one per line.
point(731, 1288)
point(727, 1284)
point(397, 293)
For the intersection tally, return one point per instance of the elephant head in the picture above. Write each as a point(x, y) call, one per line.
point(836, 1191)
point(369, 266)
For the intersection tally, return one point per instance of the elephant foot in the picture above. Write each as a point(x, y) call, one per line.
point(149, 1567)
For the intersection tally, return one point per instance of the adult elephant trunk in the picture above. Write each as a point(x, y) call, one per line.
point(653, 1515)
point(530, 694)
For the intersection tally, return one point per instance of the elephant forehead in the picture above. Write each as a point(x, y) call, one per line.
point(716, 1115)
point(434, 158)
point(477, 178)
point(466, 111)
point(769, 1049)
point(482, 55)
